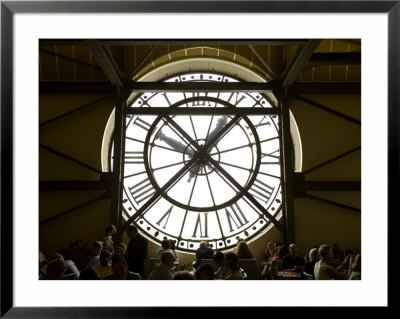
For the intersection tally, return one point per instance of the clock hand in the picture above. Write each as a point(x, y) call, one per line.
point(176, 145)
point(220, 124)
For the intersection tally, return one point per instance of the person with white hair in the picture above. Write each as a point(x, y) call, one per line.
point(313, 257)
point(322, 269)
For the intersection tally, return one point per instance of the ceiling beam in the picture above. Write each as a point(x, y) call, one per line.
point(202, 111)
point(328, 87)
point(333, 203)
point(345, 87)
point(327, 109)
point(106, 61)
point(200, 86)
point(299, 61)
point(74, 185)
point(335, 158)
point(335, 58)
point(75, 87)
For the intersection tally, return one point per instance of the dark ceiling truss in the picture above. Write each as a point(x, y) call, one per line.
point(70, 158)
point(299, 60)
point(104, 195)
point(80, 108)
point(333, 203)
point(327, 109)
point(106, 61)
point(62, 56)
point(332, 159)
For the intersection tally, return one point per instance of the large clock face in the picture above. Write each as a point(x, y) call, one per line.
point(202, 177)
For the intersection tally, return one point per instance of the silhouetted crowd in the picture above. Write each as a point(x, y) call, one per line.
point(101, 259)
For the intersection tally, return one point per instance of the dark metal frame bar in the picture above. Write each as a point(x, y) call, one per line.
point(118, 163)
point(80, 108)
point(70, 158)
point(332, 159)
point(47, 220)
point(201, 111)
point(327, 109)
point(345, 87)
point(200, 86)
point(74, 185)
point(287, 168)
point(326, 201)
point(334, 58)
point(328, 87)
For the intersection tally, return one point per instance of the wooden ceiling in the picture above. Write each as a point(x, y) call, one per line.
point(333, 60)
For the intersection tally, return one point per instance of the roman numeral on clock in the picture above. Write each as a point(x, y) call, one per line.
point(196, 94)
point(142, 190)
point(142, 124)
point(134, 158)
point(234, 214)
point(166, 217)
point(274, 155)
point(201, 225)
point(266, 120)
point(238, 98)
point(261, 190)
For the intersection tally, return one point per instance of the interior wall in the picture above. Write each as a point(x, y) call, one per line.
point(323, 136)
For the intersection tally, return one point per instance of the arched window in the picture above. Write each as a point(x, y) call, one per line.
point(201, 165)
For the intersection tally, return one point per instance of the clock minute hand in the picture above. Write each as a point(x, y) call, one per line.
point(180, 147)
point(220, 124)
point(176, 145)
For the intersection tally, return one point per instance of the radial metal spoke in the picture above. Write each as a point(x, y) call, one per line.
point(270, 175)
point(213, 199)
point(233, 149)
point(189, 201)
point(236, 166)
point(134, 139)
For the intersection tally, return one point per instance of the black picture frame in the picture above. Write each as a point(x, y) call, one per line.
point(9, 8)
